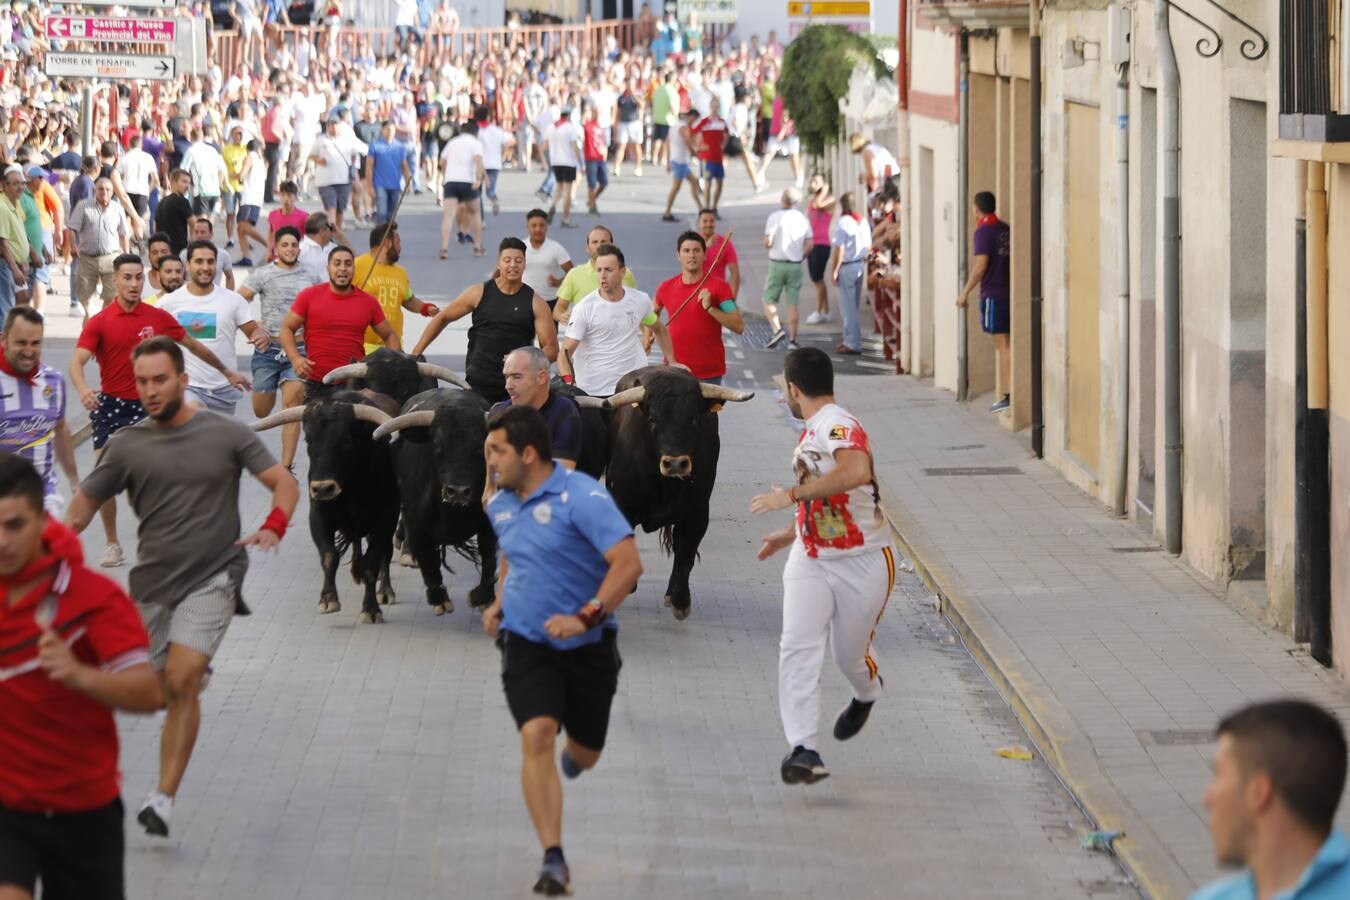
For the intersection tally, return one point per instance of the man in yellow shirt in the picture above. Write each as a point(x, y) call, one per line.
point(387, 282)
point(233, 153)
point(582, 280)
point(13, 242)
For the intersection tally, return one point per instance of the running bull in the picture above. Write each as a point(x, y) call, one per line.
point(441, 473)
point(663, 461)
point(352, 491)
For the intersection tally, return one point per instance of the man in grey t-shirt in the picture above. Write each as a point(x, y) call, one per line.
point(275, 285)
point(181, 468)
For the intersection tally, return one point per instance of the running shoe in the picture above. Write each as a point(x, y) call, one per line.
point(851, 720)
point(778, 337)
point(793, 345)
point(569, 765)
point(553, 880)
point(229, 245)
point(245, 263)
point(669, 218)
point(1001, 405)
point(803, 766)
point(814, 319)
point(112, 557)
point(154, 814)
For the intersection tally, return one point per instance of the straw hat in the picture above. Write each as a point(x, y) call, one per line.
point(857, 141)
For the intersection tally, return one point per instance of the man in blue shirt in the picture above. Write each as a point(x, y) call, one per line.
point(1279, 769)
point(386, 167)
point(989, 272)
point(568, 559)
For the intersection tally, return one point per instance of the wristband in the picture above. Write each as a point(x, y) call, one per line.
point(792, 494)
point(592, 614)
point(567, 379)
point(276, 522)
point(429, 310)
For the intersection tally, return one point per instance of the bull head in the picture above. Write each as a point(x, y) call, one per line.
point(714, 392)
point(361, 411)
point(426, 370)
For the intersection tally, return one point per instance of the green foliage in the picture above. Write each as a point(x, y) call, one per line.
point(816, 68)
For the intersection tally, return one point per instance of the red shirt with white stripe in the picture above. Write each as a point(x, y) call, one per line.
point(58, 747)
point(843, 524)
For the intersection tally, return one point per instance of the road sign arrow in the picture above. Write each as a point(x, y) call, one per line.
point(60, 27)
point(163, 66)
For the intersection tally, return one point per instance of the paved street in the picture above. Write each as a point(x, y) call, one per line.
point(341, 760)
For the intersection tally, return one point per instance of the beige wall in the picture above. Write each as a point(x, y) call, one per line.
point(931, 310)
point(1338, 337)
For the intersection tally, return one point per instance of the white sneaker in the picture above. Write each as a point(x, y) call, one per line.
point(112, 557)
point(826, 317)
point(813, 319)
point(154, 814)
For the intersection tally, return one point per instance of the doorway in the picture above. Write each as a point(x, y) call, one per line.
point(927, 265)
point(1083, 284)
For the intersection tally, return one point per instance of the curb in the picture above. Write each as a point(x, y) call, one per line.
point(1057, 736)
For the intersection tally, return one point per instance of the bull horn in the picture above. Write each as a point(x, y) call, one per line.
point(429, 370)
point(591, 402)
point(623, 398)
point(342, 373)
point(725, 394)
point(419, 419)
point(285, 417)
point(367, 413)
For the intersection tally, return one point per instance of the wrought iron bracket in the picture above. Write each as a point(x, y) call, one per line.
point(1209, 45)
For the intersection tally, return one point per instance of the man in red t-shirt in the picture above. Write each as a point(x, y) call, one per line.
point(697, 308)
point(334, 316)
point(72, 649)
point(110, 336)
point(595, 150)
point(712, 132)
point(722, 263)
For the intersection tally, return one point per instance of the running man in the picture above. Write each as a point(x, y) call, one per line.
point(172, 274)
point(787, 237)
point(712, 131)
point(564, 142)
point(505, 313)
point(605, 329)
point(679, 156)
point(526, 370)
point(182, 470)
point(572, 561)
point(110, 336)
point(841, 569)
point(722, 260)
point(33, 405)
point(547, 262)
point(698, 307)
point(581, 281)
point(334, 316)
point(211, 314)
point(387, 282)
point(276, 286)
point(74, 649)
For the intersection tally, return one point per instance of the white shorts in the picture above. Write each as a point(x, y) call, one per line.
point(839, 599)
point(198, 623)
point(789, 146)
point(629, 132)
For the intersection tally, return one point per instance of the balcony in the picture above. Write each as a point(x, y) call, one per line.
point(1309, 128)
point(976, 15)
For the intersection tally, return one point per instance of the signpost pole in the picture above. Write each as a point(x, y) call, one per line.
point(87, 121)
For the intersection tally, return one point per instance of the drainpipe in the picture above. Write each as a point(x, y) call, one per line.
point(1170, 95)
point(1312, 467)
point(1123, 294)
point(902, 135)
point(1034, 237)
point(962, 216)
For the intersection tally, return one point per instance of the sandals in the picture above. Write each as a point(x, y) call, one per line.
point(479, 251)
point(444, 255)
point(846, 350)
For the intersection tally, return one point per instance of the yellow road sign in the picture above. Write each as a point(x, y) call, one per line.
point(813, 8)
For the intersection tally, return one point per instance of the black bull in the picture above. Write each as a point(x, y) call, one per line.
point(441, 475)
point(663, 462)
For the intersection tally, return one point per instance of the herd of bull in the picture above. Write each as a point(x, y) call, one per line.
point(394, 444)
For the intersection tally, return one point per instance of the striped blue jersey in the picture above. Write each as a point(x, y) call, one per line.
point(29, 412)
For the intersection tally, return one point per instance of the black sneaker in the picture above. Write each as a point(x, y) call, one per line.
point(803, 766)
point(778, 337)
point(553, 880)
point(851, 720)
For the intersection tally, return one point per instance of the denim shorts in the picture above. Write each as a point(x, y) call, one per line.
point(272, 367)
point(335, 196)
point(679, 171)
point(597, 173)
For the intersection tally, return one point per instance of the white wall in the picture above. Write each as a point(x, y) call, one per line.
point(759, 16)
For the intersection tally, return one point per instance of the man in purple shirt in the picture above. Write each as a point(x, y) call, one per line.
point(990, 274)
point(33, 404)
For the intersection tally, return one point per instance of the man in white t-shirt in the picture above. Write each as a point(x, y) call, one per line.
point(841, 569)
point(605, 101)
point(139, 176)
point(463, 174)
point(494, 141)
point(544, 259)
point(333, 158)
point(563, 141)
point(211, 314)
point(787, 237)
point(604, 334)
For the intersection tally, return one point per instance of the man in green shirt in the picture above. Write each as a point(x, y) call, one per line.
point(582, 280)
point(13, 242)
point(665, 105)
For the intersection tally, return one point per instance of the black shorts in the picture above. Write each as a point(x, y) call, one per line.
point(77, 856)
point(660, 132)
point(140, 203)
point(462, 191)
point(112, 415)
point(565, 174)
point(817, 261)
point(576, 687)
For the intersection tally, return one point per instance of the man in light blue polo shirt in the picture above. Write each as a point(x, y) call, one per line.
point(568, 559)
point(386, 168)
point(1279, 769)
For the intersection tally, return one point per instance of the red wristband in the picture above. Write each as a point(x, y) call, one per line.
point(792, 494)
point(567, 379)
point(429, 310)
point(592, 614)
point(276, 522)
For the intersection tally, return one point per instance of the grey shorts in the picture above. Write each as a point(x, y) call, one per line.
point(217, 400)
point(198, 623)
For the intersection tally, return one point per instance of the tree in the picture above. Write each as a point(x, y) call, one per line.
point(816, 68)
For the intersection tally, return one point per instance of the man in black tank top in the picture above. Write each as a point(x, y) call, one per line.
point(506, 314)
